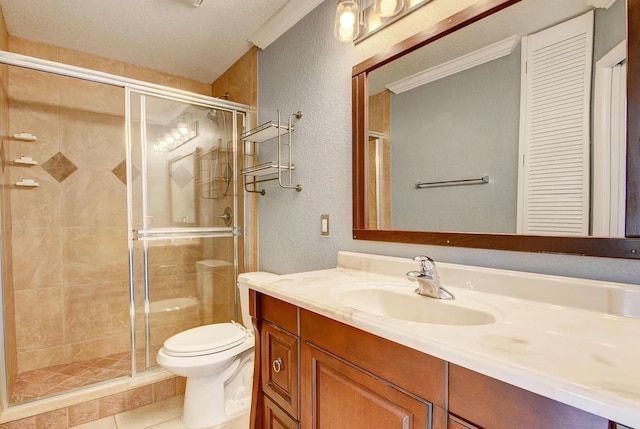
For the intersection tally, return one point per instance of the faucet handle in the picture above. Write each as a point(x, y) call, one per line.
point(426, 263)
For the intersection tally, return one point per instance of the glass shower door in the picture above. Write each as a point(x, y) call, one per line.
point(184, 230)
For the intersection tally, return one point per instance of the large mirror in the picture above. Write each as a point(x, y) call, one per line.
point(183, 175)
point(464, 135)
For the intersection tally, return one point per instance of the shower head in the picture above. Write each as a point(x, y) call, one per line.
point(212, 114)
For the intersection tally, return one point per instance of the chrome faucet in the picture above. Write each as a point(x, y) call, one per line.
point(428, 279)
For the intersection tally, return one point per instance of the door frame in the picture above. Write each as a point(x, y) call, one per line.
point(602, 126)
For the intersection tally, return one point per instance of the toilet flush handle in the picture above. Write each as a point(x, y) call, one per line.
point(277, 365)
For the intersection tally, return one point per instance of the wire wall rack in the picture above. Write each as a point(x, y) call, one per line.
point(282, 168)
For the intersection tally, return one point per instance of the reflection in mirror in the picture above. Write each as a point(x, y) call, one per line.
point(510, 97)
point(182, 189)
point(183, 160)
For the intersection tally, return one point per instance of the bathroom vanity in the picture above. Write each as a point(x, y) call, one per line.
point(349, 347)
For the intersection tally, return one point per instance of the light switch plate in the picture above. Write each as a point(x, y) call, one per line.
point(324, 225)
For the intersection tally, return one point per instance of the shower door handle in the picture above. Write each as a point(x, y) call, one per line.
point(182, 233)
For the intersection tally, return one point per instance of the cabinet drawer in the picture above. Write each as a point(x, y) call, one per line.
point(280, 367)
point(491, 404)
point(279, 313)
point(416, 372)
point(275, 418)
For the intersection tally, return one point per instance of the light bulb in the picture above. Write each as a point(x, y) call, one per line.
point(388, 8)
point(347, 19)
point(183, 128)
point(176, 134)
point(347, 26)
point(161, 145)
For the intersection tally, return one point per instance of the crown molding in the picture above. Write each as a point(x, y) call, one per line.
point(285, 18)
point(457, 65)
point(602, 4)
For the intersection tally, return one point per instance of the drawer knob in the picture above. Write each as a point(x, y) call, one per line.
point(277, 365)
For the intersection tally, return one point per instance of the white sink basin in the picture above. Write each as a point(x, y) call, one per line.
point(400, 302)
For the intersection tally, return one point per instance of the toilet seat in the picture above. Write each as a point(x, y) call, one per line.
point(205, 340)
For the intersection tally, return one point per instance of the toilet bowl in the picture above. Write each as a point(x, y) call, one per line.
point(217, 361)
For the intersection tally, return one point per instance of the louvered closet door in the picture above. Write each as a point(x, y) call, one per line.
point(553, 187)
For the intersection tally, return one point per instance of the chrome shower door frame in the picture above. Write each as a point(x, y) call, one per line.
point(148, 232)
point(129, 85)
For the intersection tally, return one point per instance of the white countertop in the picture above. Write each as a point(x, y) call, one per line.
point(589, 359)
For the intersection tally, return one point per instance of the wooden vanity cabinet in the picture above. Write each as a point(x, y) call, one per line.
point(334, 376)
point(352, 379)
point(488, 403)
point(316, 373)
point(343, 395)
point(275, 418)
point(280, 367)
point(454, 423)
point(276, 380)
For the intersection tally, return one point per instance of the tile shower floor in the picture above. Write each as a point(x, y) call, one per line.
point(48, 381)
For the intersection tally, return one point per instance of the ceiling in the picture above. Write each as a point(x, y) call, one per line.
point(172, 36)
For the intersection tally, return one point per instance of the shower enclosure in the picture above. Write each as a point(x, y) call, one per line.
point(120, 223)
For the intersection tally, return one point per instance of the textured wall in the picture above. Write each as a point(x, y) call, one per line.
point(308, 69)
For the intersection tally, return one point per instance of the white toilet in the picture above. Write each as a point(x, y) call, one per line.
point(217, 361)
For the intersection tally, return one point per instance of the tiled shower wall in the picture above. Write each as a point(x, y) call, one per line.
point(7, 272)
point(70, 234)
point(240, 81)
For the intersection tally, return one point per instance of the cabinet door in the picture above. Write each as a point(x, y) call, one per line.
point(280, 367)
point(275, 418)
point(492, 404)
point(454, 423)
point(338, 395)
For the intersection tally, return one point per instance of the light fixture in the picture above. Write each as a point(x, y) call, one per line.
point(388, 8)
point(358, 19)
point(347, 25)
point(177, 134)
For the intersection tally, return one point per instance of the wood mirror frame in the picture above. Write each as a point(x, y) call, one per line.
point(588, 246)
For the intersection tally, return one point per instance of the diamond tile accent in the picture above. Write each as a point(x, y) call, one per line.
point(121, 171)
point(59, 167)
point(182, 176)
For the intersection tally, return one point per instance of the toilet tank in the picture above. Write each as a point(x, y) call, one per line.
point(243, 280)
point(243, 291)
point(216, 289)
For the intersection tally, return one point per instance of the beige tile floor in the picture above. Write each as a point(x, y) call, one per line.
point(160, 415)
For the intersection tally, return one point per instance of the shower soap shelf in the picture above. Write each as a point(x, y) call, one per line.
point(27, 183)
point(27, 137)
point(280, 169)
point(25, 160)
